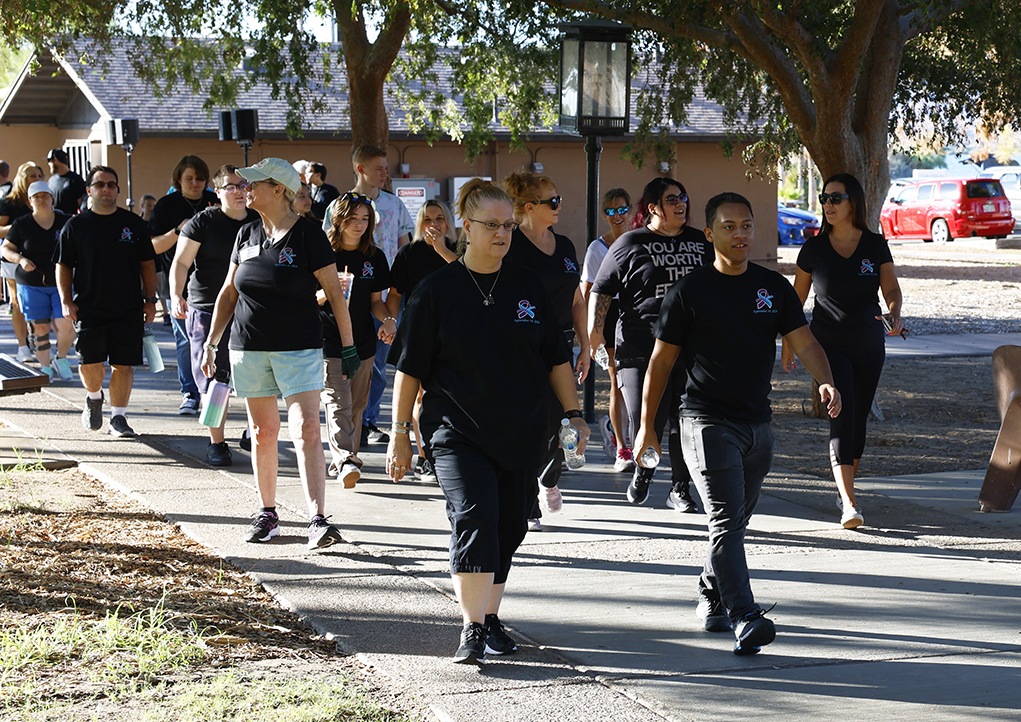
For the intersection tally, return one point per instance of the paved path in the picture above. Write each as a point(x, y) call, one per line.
point(914, 617)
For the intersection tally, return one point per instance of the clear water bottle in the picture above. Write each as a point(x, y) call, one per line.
point(214, 401)
point(569, 442)
point(153, 357)
point(602, 357)
point(649, 458)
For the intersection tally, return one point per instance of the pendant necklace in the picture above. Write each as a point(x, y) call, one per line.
point(487, 299)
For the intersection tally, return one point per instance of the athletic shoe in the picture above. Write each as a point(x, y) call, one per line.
point(680, 500)
point(245, 442)
point(425, 470)
point(166, 320)
point(850, 517)
point(752, 632)
point(25, 354)
point(550, 499)
point(497, 640)
point(92, 416)
point(625, 461)
point(473, 645)
point(265, 527)
point(534, 525)
point(638, 489)
point(609, 439)
point(119, 427)
point(374, 435)
point(322, 534)
point(349, 474)
point(219, 455)
point(713, 615)
point(63, 369)
point(50, 373)
point(189, 406)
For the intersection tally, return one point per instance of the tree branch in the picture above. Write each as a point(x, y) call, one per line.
point(845, 70)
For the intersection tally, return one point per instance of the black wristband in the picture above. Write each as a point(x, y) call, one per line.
point(573, 414)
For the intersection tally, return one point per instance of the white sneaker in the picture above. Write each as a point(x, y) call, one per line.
point(850, 516)
point(349, 475)
point(625, 461)
point(550, 500)
point(25, 354)
point(534, 525)
point(609, 439)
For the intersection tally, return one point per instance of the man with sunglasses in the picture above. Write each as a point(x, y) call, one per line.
point(105, 262)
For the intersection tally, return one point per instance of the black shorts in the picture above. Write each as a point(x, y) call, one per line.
point(119, 342)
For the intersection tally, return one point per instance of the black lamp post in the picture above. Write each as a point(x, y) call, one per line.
point(595, 101)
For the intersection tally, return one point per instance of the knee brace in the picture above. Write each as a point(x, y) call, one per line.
point(39, 342)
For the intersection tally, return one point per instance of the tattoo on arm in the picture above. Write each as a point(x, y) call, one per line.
point(602, 306)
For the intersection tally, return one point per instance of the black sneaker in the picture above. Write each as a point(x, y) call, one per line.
point(424, 470)
point(374, 435)
point(680, 500)
point(713, 615)
point(265, 527)
point(92, 416)
point(189, 406)
point(473, 645)
point(219, 455)
point(752, 632)
point(245, 442)
point(638, 489)
point(119, 427)
point(497, 640)
point(322, 534)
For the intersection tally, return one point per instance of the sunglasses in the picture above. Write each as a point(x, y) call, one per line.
point(510, 226)
point(554, 202)
point(356, 197)
point(622, 211)
point(674, 200)
point(834, 198)
point(100, 185)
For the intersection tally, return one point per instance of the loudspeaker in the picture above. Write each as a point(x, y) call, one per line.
point(226, 131)
point(244, 124)
point(122, 131)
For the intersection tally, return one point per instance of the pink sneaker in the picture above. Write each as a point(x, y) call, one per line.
point(550, 500)
point(624, 461)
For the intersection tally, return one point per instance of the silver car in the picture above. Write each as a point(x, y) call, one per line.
point(1010, 178)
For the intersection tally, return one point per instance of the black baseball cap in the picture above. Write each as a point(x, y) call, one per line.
point(57, 153)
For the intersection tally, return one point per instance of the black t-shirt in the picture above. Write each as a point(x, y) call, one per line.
point(68, 190)
point(170, 212)
point(37, 244)
point(726, 327)
point(559, 272)
point(639, 268)
point(13, 209)
point(371, 275)
point(485, 369)
point(322, 197)
point(277, 308)
point(216, 232)
point(105, 253)
point(846, 289)
point(414, 262)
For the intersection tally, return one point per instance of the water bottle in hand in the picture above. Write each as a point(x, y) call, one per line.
point(569, 442)
point(214, 402)
point(649, 458)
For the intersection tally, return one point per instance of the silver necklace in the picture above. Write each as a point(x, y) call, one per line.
point(487, 298)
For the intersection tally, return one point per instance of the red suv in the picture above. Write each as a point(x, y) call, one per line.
point(946, 208)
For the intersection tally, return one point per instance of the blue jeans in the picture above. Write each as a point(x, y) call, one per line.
point(184, 375)
point(728, 461)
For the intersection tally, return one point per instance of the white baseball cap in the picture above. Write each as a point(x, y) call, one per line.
point(274, 169)
point(39, 187)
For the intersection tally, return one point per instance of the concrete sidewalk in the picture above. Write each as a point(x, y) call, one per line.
point(914, 617)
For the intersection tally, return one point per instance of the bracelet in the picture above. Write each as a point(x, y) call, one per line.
point(402, 424)
point(211, 347)
point(573, 414)
point(390, 318)
point(399, 430)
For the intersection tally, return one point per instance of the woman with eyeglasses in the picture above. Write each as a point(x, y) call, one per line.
point(551, 255)
point(617, 211)
point(276, 340)
point(13, 206)
point(435, 246)
point(483, 339)
point(364, 276)
point(849, 265)
point(29, 244)
point(204, 250)
point(638, 269)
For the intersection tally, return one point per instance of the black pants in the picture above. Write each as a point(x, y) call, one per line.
point(856, 371)
point(631, 378)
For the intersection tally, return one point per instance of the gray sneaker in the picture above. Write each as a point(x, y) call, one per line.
point(322, 534)
point(119, 427)
point(92, 416)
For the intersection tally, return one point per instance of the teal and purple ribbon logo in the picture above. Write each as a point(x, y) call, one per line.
point(867, 267)
point(367, 270)
point(286, 256)
point(525, 310)
point(764, 300)
point(572, 267)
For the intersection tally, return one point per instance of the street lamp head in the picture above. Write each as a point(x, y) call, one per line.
point(595, 78)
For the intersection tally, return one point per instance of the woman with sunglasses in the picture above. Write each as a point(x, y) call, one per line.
point(276, 340)
point(365, 275)
point(617, 210)
point(481, 336)
point(534, 245)
point(13, 206)
point(849, 265)
point(639, 268)
point(435, 246)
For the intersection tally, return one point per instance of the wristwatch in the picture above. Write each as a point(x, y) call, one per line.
point(154, 299)
point(573, 414)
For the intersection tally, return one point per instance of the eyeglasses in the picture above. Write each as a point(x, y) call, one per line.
point(100, 185)
point(234, 187)
point(251, 184)
point(622, 211)
point(554, 203)
point(509, 226)
point(356, 197)
point(674, 200)
point(834, 198)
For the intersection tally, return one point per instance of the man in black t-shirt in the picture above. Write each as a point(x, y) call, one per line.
point(67, 186)
point(105, 255)
point(322, 192)
point(722, 321)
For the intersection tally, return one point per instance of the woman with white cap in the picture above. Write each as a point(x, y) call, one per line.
point(276, 342)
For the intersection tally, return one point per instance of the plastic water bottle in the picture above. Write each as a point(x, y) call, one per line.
point(602, 357)
point(569, 443)
point(649, 458)
point(214, 401)
point(152, 350)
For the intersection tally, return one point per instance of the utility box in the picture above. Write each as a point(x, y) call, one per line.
point(414, 192)
point(454, 187)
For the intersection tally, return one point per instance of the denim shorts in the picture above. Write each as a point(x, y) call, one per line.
point(276, 373)
point(39, 303)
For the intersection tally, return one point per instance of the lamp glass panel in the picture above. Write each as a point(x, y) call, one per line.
point(569, 53)
point(605, 79)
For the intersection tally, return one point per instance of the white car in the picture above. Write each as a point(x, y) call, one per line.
point(1010, 178)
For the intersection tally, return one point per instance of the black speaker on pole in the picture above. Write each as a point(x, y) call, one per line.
point(226, 127)
point(122, 131)
point(244, 124)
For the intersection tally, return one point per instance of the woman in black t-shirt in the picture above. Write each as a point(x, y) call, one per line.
point(481, 336)
point(364, 275)
point(435, 246)
point(849, 265)
point(13, 206)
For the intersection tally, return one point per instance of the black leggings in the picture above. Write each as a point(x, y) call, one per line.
point(856, 371)
point(631, 379)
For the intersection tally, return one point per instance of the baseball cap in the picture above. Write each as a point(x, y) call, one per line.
point(39, 187)
point(57, 153)
point(275, 169)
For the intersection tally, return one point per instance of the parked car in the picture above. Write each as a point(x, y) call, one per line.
point(942, 209)
point(795, 226)
point(1010, 178)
